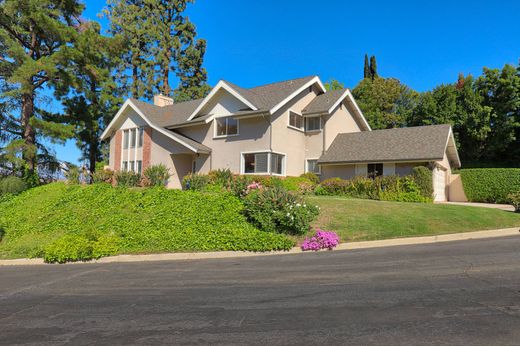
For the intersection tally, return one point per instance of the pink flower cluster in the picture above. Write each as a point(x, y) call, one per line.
point(320, 240)
point(253, 186)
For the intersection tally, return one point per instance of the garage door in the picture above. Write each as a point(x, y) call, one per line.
point(439, 185)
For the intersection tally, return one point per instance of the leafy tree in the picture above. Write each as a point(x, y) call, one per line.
point(93, 100)
point(34, 55)
point(366, 68)
point(193, 77)
point(385, 102)
point(334, 84)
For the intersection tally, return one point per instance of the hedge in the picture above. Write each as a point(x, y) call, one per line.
point(490, 185)
point(139, 220)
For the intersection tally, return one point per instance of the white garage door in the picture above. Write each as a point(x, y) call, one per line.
point(439, 185)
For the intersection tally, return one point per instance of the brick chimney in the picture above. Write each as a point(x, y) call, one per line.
point(161, 100)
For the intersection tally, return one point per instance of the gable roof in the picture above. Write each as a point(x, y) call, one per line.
point(148, 113)
point(421, 143)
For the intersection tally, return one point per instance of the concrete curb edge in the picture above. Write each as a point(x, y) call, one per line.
point(503, 232)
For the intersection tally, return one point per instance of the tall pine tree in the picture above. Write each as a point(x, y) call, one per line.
point(34, 55)
point(366, 68)
point(373, 67)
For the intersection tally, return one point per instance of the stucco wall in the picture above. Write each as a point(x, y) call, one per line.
point(456, 189)
point(338, 171)
point(340, 121)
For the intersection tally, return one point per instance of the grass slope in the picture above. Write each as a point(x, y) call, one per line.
point(357, 219)
point(143, 220)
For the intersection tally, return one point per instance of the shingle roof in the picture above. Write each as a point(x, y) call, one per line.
point(426, 143)
point(323, 102)
point(200, 147)
point(170, 115)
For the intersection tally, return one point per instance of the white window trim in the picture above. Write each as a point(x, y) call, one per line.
point(269, 152)
point(289, 121)
point(307, 165)
point(215, 136)
point(312, 131)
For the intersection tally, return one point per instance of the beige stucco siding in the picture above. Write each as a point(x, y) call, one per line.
point(225, 152)
point(290, 141)
point(129, 120)
point(340, 121)
point(338, 171)
point(223, 103)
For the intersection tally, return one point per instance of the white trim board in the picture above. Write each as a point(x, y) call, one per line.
point(313, 81)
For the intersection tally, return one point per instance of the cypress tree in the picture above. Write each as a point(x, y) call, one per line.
point(366, 68)
point(373, 67)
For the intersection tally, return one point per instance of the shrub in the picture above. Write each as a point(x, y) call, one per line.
point(514, 199)
point(103, 176)
point(12, 185)
point(238, 185)
point(222, 177)
point(195, 182)
point(292, 183)
point(68, 248)
point(490, 185)
point(277, 210)
point(424, 180)
point(127, 178)
point(312, 177)
point(106, 245)
point(156, 175)
point(403, 189)
point(334, 186)
point(320, 240)
point(73, 175)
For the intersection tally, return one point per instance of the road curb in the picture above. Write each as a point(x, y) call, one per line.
point(503, 232)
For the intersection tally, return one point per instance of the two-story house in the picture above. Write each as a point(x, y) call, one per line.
point(284, 128)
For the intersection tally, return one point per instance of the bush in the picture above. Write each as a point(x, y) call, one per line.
point(68, 248)
point(490, 185)
point(127, 178)
point(403, 189)
point(103, 176)
point(222, 177)
point(312, 177)
point(320, 240)
point(293, 183)
point(12, 185)
point(195, 182)
point(514, 199)
point(424, 180)
point(276, 210)
point(73, 175)
point(334, 186)
point(156, 175)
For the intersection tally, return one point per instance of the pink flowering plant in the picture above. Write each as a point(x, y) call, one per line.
point(320, 240)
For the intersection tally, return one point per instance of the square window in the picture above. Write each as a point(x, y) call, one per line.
point(313, 124)
point(259, 163)
point(374, 170)
point(226, 126)
point(313, 167)
point(295, 120)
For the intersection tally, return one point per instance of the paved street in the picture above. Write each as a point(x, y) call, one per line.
point(451, 293)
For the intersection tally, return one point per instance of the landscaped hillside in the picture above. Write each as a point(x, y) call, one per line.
point(121, 220)
point(358, 219)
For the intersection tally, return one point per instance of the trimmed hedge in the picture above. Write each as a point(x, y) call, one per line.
point(140, 220)
point(490, 185)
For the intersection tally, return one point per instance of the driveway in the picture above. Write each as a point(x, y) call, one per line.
point(448, 293)
point(505, 207)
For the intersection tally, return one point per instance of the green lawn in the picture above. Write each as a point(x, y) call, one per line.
point(358, 219)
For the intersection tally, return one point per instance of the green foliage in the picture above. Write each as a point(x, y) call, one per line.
point(296, 184)
point(142, 220)
point(73, 175)
point(514, 199)
point(69, 248)
point(12, 185)
point(156, 175)
point(490, 185)
point(222, 177)
point(103, 176)
point(30, 177)
point(127, 178)
point(373, 67)
point(334, 84)
point(423, 177)
point(312, 177)
point(385, 188)
point(366, 68)
point(277, 210)
point(195, 182)
point(385, 102)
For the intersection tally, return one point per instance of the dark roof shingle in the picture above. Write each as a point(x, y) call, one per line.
point(426, 143)
point(323, 102)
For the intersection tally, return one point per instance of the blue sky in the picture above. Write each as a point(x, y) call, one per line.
point(423, 44)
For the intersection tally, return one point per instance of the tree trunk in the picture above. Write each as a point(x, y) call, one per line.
point(166, 70)
point(135, 78)
point(28, 133)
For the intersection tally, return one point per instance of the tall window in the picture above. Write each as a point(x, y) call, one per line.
point(295, 120)
point(374, 170)
point(125, 139)
point(313, 124)
point(132, 138)
point(139, 166)
point(226, 127)
point(125, 165)
point(140, 137)
point(263, 163)
point(313, 167)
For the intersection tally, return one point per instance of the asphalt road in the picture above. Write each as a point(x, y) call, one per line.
point(452, 293)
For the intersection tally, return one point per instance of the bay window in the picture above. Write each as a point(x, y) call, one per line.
point(263, 163)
